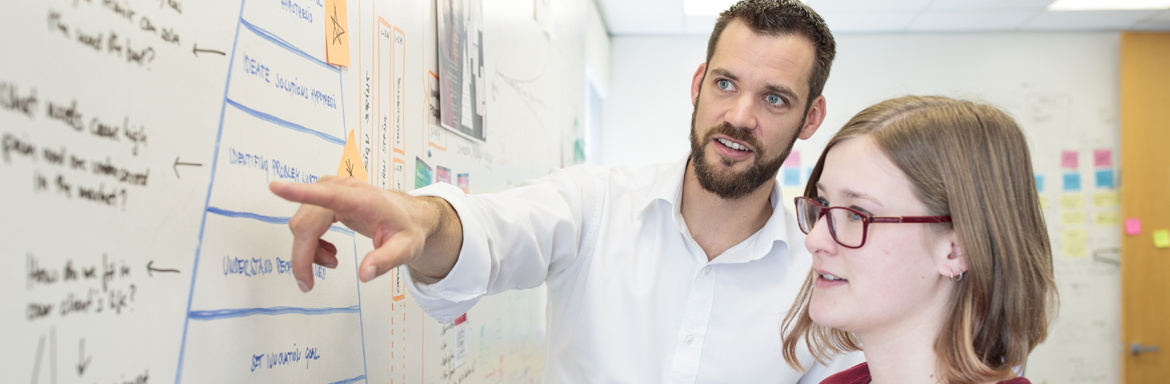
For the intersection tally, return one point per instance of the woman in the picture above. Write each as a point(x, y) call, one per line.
point(929, 249)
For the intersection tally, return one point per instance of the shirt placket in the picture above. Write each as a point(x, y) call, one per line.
point(693, 329)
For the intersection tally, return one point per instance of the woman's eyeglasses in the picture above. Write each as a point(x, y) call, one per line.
point(847, 225)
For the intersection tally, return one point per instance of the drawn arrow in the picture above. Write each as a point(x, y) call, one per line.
point(195, 50)
point(178, 163)
point(150, 269)
point(82, 361)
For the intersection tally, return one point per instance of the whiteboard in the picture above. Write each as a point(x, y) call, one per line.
point(139, 137)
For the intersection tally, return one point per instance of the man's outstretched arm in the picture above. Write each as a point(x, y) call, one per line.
point(423, 233)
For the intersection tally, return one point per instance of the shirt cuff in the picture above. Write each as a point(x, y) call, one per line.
point(467, 282)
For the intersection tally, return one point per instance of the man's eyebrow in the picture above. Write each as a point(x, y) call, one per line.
point(724, 73)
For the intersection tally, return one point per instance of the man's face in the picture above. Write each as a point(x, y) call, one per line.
point(750, 102)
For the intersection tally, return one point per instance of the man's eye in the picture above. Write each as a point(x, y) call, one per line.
point(724, 84)
point(775, 99)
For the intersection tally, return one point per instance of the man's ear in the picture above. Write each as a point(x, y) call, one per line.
point(816, 116)
point(697, 83)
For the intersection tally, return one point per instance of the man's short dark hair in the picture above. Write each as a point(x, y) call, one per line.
point(784, 17)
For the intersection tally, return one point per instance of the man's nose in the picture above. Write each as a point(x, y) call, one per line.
point(742, 113)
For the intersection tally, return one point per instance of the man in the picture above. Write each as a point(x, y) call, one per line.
point(676, 273)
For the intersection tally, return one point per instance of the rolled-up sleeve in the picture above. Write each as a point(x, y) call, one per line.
point(511, 240)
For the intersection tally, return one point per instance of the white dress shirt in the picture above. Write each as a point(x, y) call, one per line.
point(632, 297)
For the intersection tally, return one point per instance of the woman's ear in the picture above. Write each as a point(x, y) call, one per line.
point(954, 264)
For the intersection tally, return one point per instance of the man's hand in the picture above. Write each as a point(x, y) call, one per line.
point(401, 226)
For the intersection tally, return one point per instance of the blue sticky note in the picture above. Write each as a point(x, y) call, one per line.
point(791, 177)
point(807, 175)
point(1072, 182)
point(1105, 178)
point(1039, 183)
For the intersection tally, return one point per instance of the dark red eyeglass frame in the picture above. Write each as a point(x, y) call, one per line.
point(866, 219)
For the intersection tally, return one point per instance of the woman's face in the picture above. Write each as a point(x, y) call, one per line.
point(898, 280)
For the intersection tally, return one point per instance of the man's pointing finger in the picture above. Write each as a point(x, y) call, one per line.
point(327, 193)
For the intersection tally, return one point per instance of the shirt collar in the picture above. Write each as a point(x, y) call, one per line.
point(667, 188)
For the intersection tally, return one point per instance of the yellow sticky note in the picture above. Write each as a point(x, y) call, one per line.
point(1072, 218)
point(1106, 199)
point(1072, 201)
point(336, 36)
point(1044, 202)
point(351, 161)
point(1075, 243)
point(1106, 219)
point(1162, 238)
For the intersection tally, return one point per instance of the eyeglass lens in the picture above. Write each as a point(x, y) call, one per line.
point(846, 227)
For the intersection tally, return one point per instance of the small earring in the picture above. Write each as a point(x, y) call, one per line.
point(960, 276)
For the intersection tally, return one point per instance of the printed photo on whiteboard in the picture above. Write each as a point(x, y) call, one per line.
point(461, 77)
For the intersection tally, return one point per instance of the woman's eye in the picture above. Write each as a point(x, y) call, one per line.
point(724, 84)
point(822, 202)
point(855, 216)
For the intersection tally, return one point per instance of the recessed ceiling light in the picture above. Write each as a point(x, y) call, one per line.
point(1107, 5)
point(709, 7)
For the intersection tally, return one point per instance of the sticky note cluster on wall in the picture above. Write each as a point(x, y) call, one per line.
point(1104, 176)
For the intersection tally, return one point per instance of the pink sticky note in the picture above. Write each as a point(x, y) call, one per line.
point(793, 160)
point(1103, 158)
point(1133, 226)
point(1068, 159)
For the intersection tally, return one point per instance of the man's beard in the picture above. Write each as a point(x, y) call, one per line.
point(731, 185)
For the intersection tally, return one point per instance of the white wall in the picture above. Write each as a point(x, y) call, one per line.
point(597, 49)
point(1061, 87)
point(597, 63)
point(647, 116)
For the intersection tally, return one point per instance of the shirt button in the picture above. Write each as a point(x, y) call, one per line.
point(690, 339)
point(707, 270)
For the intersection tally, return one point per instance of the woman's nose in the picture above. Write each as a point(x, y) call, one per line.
point(819, 240)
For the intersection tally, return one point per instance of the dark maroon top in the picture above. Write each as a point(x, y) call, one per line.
point(859, 374)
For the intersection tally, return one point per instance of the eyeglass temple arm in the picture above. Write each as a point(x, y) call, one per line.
point(912, 219)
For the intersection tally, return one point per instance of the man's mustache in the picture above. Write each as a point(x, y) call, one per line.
point(741, 135)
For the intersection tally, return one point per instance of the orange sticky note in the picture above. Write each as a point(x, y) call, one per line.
point(351, 161)
point(336, 34)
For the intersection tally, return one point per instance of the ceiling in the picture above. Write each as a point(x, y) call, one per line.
point(665, 17)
